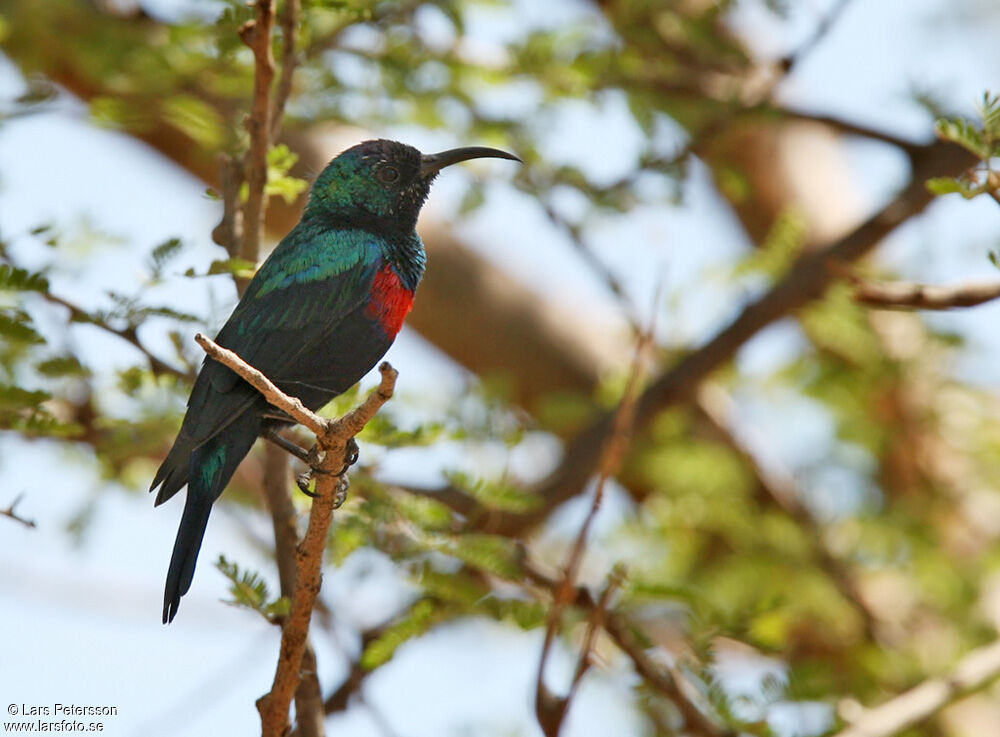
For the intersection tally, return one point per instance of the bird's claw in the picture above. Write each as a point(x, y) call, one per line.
point(351, 452)
point(302, 481)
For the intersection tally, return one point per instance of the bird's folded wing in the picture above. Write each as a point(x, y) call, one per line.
point(301, 294)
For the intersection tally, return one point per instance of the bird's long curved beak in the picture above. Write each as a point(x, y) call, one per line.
point(431, 164)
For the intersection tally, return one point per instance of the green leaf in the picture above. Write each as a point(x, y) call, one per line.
point(499, 494)
point(21, 280)
point(61, 366)
point(965, 134)
point(280, 159)
point(16, 327)
point(17, 398)
point(197, 119)
point(249, 590)
point(490, 553)
point(164, 253)
point(418, 620)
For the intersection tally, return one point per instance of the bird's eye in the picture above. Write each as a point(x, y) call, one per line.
point(387, 174)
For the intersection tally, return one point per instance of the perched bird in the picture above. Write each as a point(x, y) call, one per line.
point(320, 312)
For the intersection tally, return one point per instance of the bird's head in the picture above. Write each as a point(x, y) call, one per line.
point(385, 179)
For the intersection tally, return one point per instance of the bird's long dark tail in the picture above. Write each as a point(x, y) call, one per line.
point(211, 466)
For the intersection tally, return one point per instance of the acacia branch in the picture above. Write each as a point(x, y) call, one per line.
point(129, 334)
point(974, 672)
point(624, 634)
point(912, 296)
point(10, 512)
point(850, 128)
point(332, 437)
point(257, 35)
point(309, 711)
point(550, 709)
point(289, 60)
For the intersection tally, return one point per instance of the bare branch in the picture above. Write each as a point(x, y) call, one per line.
point(257, 35)
point(908, 295)
point(289, 59)
point(129, 334)
point(12, 514)
point(823, 28)
point(974, 672)
point(332, 438)
point(623, 632)
point(851, 129)
point(549, 708)
point(290, 405)
point(228, 233)
point(309, 711)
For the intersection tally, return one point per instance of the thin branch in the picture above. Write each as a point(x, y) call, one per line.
point(257, 35)
point(332, 437)
point(594, 625)
point(129, 334)
point(292, 406)
point(289, 59)
point(624, 634)
point(823, 28)
point(229, 232)
point(974, 672)
point(550, 709)
point(12, 514)
point(848, 128)
point(908, 295)
point(309, 713)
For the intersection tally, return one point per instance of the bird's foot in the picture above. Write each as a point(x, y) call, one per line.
point(314, 458)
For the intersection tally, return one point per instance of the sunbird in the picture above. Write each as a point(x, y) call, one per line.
point(317, 316)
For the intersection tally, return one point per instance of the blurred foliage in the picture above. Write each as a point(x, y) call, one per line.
point(982, 138)
point(879, 572)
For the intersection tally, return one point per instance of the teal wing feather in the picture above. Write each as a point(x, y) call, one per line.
point(309, 284)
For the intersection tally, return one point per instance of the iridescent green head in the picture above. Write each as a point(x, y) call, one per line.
point(385, 180)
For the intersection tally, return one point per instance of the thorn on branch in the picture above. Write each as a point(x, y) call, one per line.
point(10, 512)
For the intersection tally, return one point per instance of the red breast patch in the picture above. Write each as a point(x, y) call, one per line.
point(391, 302)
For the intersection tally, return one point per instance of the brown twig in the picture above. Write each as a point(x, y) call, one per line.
point(256, 34)
point(129, 334)
point(911, 296)
point(550, 709)
point(229, 232)
point(974, 672)
point(623, 632)
point(823, 28)
point(289, 60)
point(309, 712)
point(12, 514)
point(332, 437)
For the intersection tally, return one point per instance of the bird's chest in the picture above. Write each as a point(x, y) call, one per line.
point(390, 301)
